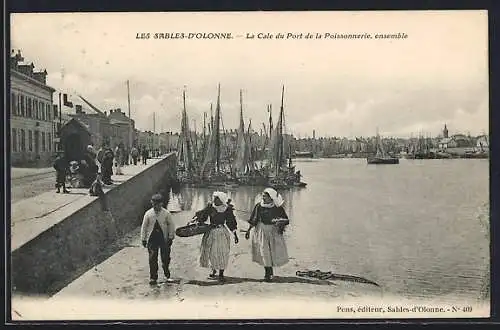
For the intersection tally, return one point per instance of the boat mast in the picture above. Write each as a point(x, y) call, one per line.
point(204, 128)
point(279, 131)
point(270, 110)
point(217, 132)
point(186, 134)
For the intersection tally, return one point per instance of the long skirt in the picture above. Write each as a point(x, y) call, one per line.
point(215, 247)
point(268, 246)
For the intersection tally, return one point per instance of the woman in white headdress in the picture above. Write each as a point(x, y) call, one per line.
point(268, 244)
point(216, 243)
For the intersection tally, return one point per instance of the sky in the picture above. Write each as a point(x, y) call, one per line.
point(337, 87)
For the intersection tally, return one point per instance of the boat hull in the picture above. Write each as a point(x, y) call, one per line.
point(382, 161)
point(303, 154)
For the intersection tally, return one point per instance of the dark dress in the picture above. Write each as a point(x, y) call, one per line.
point(216, 243)
point(268, 243)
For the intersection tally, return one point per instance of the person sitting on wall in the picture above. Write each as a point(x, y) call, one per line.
point(96, 186)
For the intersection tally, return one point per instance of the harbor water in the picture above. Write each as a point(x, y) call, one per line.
point(420, 229)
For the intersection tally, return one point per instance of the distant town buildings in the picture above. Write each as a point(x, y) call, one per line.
point(164, 142)
point(36, 123)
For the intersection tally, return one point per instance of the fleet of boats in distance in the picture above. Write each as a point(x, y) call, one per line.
point(212, 159)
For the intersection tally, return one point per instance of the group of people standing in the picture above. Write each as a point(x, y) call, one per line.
point(97, 165)
point(268, 246)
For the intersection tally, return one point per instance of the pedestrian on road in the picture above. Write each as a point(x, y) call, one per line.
point(107, 166)
point(135, 154)
point(216, 243)
point(100, 156)
point(91, 167)
point(268, 244)
point(158, 233)
point(144, 156)
point(119, 159)
point(61, 166)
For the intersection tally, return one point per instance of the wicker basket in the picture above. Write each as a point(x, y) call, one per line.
point(192, 230)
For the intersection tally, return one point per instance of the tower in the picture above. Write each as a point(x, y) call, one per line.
point(445, 132)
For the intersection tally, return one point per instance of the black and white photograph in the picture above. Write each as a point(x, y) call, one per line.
point(249, 165)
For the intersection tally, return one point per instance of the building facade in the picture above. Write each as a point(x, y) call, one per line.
point(122, 128)
point(31, 115)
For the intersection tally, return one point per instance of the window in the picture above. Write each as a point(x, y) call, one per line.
point(23, 140)
point(30, 140)
point(43, 141)
point(23, 100)
point(31, 105)
point(35, 108)
point(29, 109)
point(49, 141)
point(42, 109)
point(14, 139)
point(47, 109)
point(18, 104)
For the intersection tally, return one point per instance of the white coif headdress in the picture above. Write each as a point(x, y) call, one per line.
point(223, 198)
point(277, 199)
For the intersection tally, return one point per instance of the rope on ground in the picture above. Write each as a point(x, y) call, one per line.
point(332, 276)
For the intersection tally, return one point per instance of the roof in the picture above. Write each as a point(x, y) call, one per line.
point(32, 80)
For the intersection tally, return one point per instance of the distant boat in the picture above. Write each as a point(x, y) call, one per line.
point(174, 204)
point(303, 154)
point(381, 157)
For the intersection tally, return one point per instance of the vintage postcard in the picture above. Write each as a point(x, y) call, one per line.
point(249, 165)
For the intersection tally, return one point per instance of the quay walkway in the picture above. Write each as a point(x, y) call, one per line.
point(57, 237)
point(32, 216)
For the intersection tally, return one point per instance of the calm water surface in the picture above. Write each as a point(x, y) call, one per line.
point(419, 229)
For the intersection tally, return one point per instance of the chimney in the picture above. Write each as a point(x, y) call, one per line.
point(27, 69)
point(78, 108)
point(15, 59)
point(41, 76)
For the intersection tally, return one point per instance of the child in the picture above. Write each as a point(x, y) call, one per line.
point(96, 190)
point(60, 165)
point(96, 187)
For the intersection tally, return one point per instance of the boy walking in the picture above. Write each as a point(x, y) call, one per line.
point(61, 167)
point(157, 233)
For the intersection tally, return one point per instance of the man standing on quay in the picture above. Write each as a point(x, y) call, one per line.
point(157, 233)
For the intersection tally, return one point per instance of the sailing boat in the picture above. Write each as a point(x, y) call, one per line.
point(244, 167)
point(381, 157)
point(282, 176)
point(186, 168)
point(212, 170)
